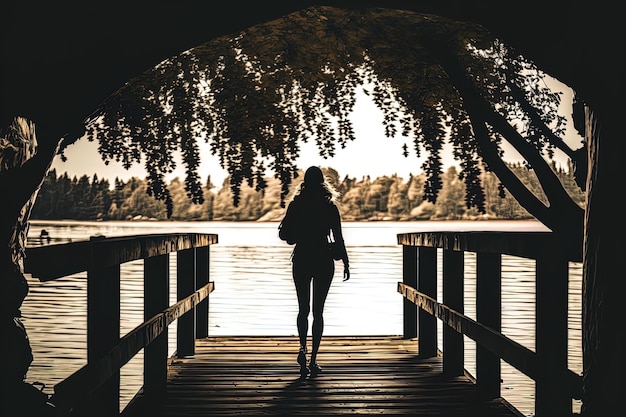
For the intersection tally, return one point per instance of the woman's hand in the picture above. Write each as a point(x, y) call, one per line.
point(346, 272)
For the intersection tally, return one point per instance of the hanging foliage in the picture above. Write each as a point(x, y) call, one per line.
point(256, 96)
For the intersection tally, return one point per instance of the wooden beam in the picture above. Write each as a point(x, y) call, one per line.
point(453, 346)
point(50, 262)
point(523, 244)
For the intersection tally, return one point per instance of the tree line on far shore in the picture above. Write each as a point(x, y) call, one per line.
point(382, 198)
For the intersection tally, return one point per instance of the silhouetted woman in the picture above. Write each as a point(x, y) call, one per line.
point(314, 212)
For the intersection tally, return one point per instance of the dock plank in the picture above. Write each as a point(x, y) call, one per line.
point(259, 376)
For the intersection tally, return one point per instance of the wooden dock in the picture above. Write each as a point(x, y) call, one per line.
point(258, 376)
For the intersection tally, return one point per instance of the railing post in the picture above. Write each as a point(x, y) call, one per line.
point(186, 285)
point(552, 399)
point(427, 283)
point(453, 274)
point(409, 277)
point(202, 278)
point(489, 313)
point(103, 325)
point(156, 299)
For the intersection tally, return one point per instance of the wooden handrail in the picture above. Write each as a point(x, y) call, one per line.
point(530, 245)
point(98, 382)
point(555, 384)
point(51, 262)
point(79, 386)
point(515, 354)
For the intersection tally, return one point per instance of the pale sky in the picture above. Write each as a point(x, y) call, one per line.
point(372, 153)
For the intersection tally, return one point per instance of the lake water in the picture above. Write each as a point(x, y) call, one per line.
point(254, 294)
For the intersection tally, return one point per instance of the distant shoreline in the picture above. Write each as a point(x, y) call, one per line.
point(479, 220)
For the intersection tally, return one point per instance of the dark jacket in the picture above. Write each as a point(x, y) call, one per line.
point(311, 220)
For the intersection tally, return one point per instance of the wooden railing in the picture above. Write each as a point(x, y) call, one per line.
point(95, 388)
point(555, 384)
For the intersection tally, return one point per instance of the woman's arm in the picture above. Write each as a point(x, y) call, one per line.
point(338, 235)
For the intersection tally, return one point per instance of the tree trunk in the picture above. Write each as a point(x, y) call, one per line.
point(604, 340)
point(20, 180)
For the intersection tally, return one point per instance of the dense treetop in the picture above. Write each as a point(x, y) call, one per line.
point(257, 95)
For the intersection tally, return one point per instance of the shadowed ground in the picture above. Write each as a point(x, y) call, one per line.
point(361, 375)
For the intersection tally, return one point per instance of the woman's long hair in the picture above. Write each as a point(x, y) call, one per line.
point(315, 185)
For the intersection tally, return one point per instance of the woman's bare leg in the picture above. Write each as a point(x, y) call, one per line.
point(303, 292)
point(321, 286)
point(302, 281)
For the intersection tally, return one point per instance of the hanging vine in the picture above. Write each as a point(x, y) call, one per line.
point(256, 96)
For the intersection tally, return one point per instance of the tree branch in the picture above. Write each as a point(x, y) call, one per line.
point(518, 94)
point(563, 214)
